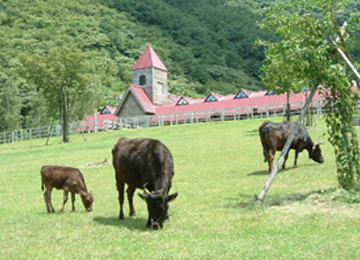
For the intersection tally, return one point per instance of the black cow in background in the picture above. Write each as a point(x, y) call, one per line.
point(146, 164)
point(274, 136)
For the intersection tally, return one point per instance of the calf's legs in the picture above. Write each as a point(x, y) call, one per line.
point(47, 197)
point(66, 191)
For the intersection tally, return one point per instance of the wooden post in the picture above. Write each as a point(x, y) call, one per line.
point(261, 197)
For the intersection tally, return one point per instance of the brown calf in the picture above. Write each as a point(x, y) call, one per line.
point(68, 179)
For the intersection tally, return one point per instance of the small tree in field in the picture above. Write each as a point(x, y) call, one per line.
point(60, 77)
point(313, 44)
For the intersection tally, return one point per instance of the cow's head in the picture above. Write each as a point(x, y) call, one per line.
point(315, 153)
point(87, 199)
point(157, 203)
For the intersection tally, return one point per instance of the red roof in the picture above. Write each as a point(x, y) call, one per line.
point(229, 101)
point(105, 119)
point(254, 99)
point(143, 99)
point(149, 59)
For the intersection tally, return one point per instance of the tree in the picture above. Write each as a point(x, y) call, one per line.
point(312, 38)
point(61, 79)
point(10, 103)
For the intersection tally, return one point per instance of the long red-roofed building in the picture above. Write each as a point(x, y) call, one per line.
point(147, 95)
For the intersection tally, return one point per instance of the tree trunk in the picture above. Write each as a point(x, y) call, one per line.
point(288, 106)
point(63, 115)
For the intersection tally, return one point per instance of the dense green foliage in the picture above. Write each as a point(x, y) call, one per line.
point(212, 218)
point(207, 45)
point(65, 87)
point(313, 36)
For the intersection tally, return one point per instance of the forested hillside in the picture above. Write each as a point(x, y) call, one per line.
point(207, 45)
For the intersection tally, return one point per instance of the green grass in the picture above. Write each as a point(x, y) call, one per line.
point(218, 169)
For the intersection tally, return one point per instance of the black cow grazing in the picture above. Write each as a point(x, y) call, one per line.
point(68, 179)
point(146, 164)
point(273, 138)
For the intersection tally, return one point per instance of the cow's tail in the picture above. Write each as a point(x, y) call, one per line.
point(42, 179)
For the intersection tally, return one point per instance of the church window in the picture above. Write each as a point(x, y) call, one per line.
point(142, 80)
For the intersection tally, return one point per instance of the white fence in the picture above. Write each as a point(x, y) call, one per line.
point(239, 113)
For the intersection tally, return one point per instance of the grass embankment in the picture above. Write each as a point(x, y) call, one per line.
point(219, 167)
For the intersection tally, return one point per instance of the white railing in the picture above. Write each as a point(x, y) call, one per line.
point(239, 113)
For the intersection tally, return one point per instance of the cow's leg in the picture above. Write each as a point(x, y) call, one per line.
point(73, 201)
point(120, 188)
point(266, 154)
point(271, 159)
point(66, 191)
point(47, 198)
point(296, 157)
point(286, 157)
point(130, 195)
point(46, 202)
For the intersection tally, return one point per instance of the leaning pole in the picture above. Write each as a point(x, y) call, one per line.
point(260, 198)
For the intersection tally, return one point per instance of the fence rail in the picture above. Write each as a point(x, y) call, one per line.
point(239, 113)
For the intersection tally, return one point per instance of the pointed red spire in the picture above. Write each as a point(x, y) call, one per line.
point(149, 59)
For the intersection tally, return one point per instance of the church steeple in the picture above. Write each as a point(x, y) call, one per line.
point(149, 59)
point(150, 73)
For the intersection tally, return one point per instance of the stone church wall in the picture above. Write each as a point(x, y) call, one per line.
point(130, 108)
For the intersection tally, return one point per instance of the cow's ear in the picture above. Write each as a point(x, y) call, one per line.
point(171, 197)
point(143, 196)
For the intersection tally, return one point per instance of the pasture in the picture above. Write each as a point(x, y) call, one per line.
point(218, 169)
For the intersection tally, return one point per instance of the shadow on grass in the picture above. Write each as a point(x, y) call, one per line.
point(248, 200)
point(266, 172)
point(254, 132)
point(296, 197)
point(129, 223)
point(241, 201)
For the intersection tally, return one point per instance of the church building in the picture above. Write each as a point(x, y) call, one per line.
point(148, 94)
point(149, 86)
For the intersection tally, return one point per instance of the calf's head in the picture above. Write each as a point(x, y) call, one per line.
point(87, 199)
point(315, 153)
point(157, 203)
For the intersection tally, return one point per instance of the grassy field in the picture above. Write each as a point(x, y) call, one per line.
point(218, 169)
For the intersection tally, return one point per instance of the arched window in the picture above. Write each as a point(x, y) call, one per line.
point(142, 80)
